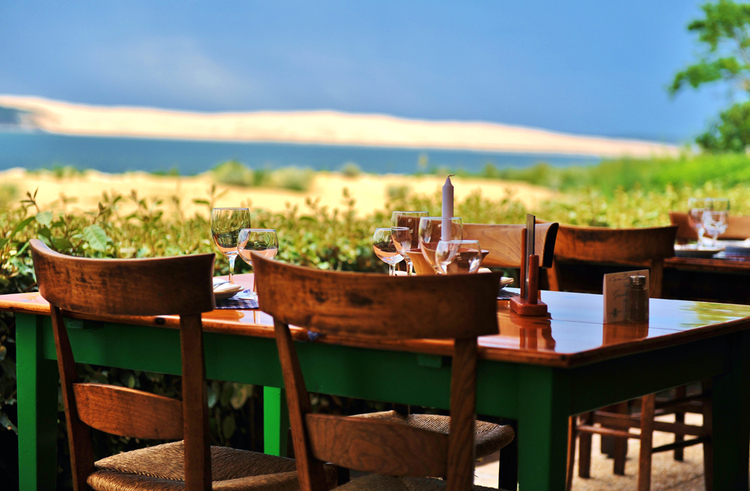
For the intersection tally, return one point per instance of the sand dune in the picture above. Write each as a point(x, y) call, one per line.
point(318, 127)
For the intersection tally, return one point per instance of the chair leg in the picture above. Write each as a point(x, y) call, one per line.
point(584, 448)
point(508, 474)
point(708, 449)
point(679, 417)
point(553, 277)
point(620, 447)
point(571, 452)
point(647, 442)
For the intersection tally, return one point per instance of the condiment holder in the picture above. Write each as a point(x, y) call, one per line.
point(528, 303)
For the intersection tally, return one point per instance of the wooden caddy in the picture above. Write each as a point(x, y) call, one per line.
point(528, 302)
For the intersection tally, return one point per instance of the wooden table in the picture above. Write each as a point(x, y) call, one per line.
point(720, 278)
point(538, 371)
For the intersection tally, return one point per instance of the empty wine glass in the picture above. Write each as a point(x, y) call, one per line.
point(226, 224)
point(261, 240)
point(715, 217)
point(409, 219)
point(402, 239)
point(430, 233)
point(696, 206)
point(385, 249)
point(458, 256)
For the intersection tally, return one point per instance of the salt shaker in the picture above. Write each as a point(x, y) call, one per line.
point(637, 300)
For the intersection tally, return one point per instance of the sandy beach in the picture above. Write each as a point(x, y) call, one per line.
point(318, 127)
point(369, 191)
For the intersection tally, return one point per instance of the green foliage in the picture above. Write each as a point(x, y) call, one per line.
point(725, 35)
point(238, 174)
point(351, 170)
point(173, 172)
point(397, 191)
point(731, 133)
point(725, 30)
point(621, 193)
point(233, 173)
point(687, 170)
point(59, 171)
point(8, 194)
point(292, 178)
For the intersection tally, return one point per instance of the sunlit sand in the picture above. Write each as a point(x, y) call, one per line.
point(370, 192)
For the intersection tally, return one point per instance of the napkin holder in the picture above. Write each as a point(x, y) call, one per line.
point(528, 303)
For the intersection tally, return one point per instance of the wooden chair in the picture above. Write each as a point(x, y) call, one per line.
point(146, 287)
point(738, 227)
point(584, 247)
point(504, 243)
point(584, 251)
point(372, 308)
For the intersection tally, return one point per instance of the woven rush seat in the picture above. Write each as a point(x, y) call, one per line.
point(379, 482)
point(162, 467)
point(489, 437)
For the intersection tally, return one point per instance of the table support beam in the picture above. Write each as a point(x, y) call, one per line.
point(37, 395)
point(730, 433)
point(275, 421)
point(544, 404)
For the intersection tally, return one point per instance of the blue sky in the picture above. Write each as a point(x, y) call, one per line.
point(581, 66)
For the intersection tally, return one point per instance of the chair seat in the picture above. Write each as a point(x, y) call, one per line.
point(162, 467)
point(488, 437)
point(377, 482)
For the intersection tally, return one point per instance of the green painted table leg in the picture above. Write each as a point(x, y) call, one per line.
point(37, 408)
point(543, 408)
point(275, 421)
point(731, 411)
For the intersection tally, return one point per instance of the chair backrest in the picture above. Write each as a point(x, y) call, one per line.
point(579, 247)
point(738, 227)
point(131, 287)
point(504, 243)
point(372, 307)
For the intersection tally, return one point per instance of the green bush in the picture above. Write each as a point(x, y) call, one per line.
point(314, 235)
point(233, 173)
point(292, 178)
point(351, 170)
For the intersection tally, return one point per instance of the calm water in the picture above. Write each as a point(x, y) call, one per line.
point(115, 155)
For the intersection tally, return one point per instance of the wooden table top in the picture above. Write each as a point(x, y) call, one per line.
point(573, 334)
point(720, 263)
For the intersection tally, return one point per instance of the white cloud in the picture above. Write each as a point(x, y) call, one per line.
point(175, 69)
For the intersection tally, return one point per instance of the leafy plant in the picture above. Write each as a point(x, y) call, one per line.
point(316, 235)
point(724, 32)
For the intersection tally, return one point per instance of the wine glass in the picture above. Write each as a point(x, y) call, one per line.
point(696, 206)
point(226, 224)
point(458, 256)
point(402, 239)
point(409, 219)
point(430, 233)
point(385, 249)
point(715, 217)
point(261, 240)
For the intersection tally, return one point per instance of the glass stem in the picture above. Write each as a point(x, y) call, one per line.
point(391, 270)
point(231, 267)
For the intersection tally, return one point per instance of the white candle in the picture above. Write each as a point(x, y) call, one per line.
point(447, 209)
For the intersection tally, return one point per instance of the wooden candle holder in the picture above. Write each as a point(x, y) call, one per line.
point(528, 302)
